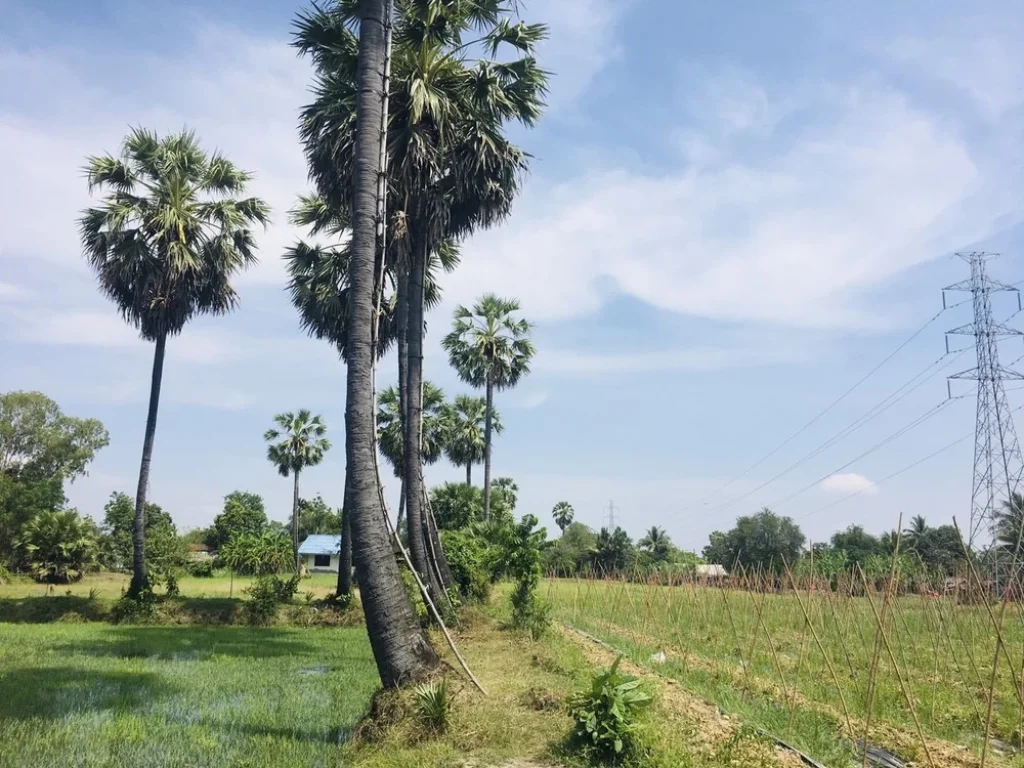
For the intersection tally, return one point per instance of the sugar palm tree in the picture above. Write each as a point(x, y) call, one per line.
point(451, 169)
point(509, 489)
point(489, 347)
point(296, 444)
point(165, 242)
point(467, 416)
point(563, 514)
point(656, 542)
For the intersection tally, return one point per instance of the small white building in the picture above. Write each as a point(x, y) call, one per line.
point(321, 553)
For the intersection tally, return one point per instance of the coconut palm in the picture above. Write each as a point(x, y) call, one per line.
point(170, 234)
point(451, 169)
point(918, 528)
point(400, 647)
point(656, 543)
point(563, 514)
point(467, 417)
point(489, 347)
point(300, 443)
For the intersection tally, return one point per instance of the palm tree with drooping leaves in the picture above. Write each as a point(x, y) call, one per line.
point(655, 542)
point(298, 442)
point(451, 169)
point(509, 490)
point(490, 347)
point(563, 513)
point(918, 528)
point(467, 418)
point(168, 237)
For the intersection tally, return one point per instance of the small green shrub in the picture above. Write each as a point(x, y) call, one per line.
point(172, 589)
point(131, 609)
point(605, 718)
point(466, 554)
point(201, 569)
point(413, 590)
point(433, 706)
point(266, 594)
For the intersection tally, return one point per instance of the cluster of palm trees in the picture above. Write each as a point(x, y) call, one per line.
point(406, 146)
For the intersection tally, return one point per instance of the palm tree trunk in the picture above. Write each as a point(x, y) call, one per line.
point(487, 449)
point(399, 645)
point(401, 507)
point(345, 558)
point(402, 318)
point(412, 460)
point(469, 473)
point(140, 577)
point(295, 524)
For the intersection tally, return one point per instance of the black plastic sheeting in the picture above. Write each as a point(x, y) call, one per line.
point(880, 757)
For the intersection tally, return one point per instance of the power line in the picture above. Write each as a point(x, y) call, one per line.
point(827, 409)
point(877, 410)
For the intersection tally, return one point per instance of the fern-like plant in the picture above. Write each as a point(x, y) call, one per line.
point(433, 706)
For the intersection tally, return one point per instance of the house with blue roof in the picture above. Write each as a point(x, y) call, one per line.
point(321, 553)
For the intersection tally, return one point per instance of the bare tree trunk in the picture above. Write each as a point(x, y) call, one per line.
point(412, 460)
point(295, 524)
point(140, 576)
point(399, 644)
point(345, 556)
point(487, 449)
point(401, 506)
point(469, 473)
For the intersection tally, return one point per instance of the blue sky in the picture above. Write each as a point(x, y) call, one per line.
point(735, 212)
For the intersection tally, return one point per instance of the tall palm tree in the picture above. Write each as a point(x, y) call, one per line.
point(466, 418)
point(489, 347)
point(563, 514)
point(451, 169)
point(400, 647)
point(170, 234)
point(301, 444)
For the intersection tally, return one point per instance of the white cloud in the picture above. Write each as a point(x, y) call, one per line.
point(11, 292)
point(581, 44)
point(871, 188)
point(531, 400)
point(849, 482)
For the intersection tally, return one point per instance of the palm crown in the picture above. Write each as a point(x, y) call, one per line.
point(171, 233)
point(389, 425)
point(465, 442)
point(488, 344)
point(563, 514)
point(301, 442)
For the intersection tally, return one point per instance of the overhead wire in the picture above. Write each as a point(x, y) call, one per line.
point(827, 409)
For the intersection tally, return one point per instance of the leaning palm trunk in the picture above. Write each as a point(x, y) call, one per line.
point(399, 645)
point(140, 575)
point(412, 462)
point(295, 524)
point(487, 449)
point(345, 558)
point(444, 571)
point(469, 473)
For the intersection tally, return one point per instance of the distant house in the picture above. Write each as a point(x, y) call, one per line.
point(321, 552)
point(712, 574)
point(199, 552)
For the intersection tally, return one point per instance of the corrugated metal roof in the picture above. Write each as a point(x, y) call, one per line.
point(712, 570)
point(320, 544)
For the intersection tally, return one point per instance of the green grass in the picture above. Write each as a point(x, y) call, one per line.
point(112, 585)
point(96, 695)
point(770, 671)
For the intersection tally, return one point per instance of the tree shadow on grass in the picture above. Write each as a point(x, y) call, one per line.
point(190, 643)
point(55, 692)
point(43, 610)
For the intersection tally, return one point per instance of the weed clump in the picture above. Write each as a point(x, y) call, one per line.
point(606, 717)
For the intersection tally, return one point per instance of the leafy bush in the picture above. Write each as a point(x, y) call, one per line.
point(259, 554)
point(266, 594)
point(60, 546)
point(522, 548)
point(142, 607)
point(605, 717)
point(466, 555)
point(201, 569)
point(413, 591)
point(172, 586)
point(433, 706)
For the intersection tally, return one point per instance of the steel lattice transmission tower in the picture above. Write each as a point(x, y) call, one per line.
point(998, 467)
